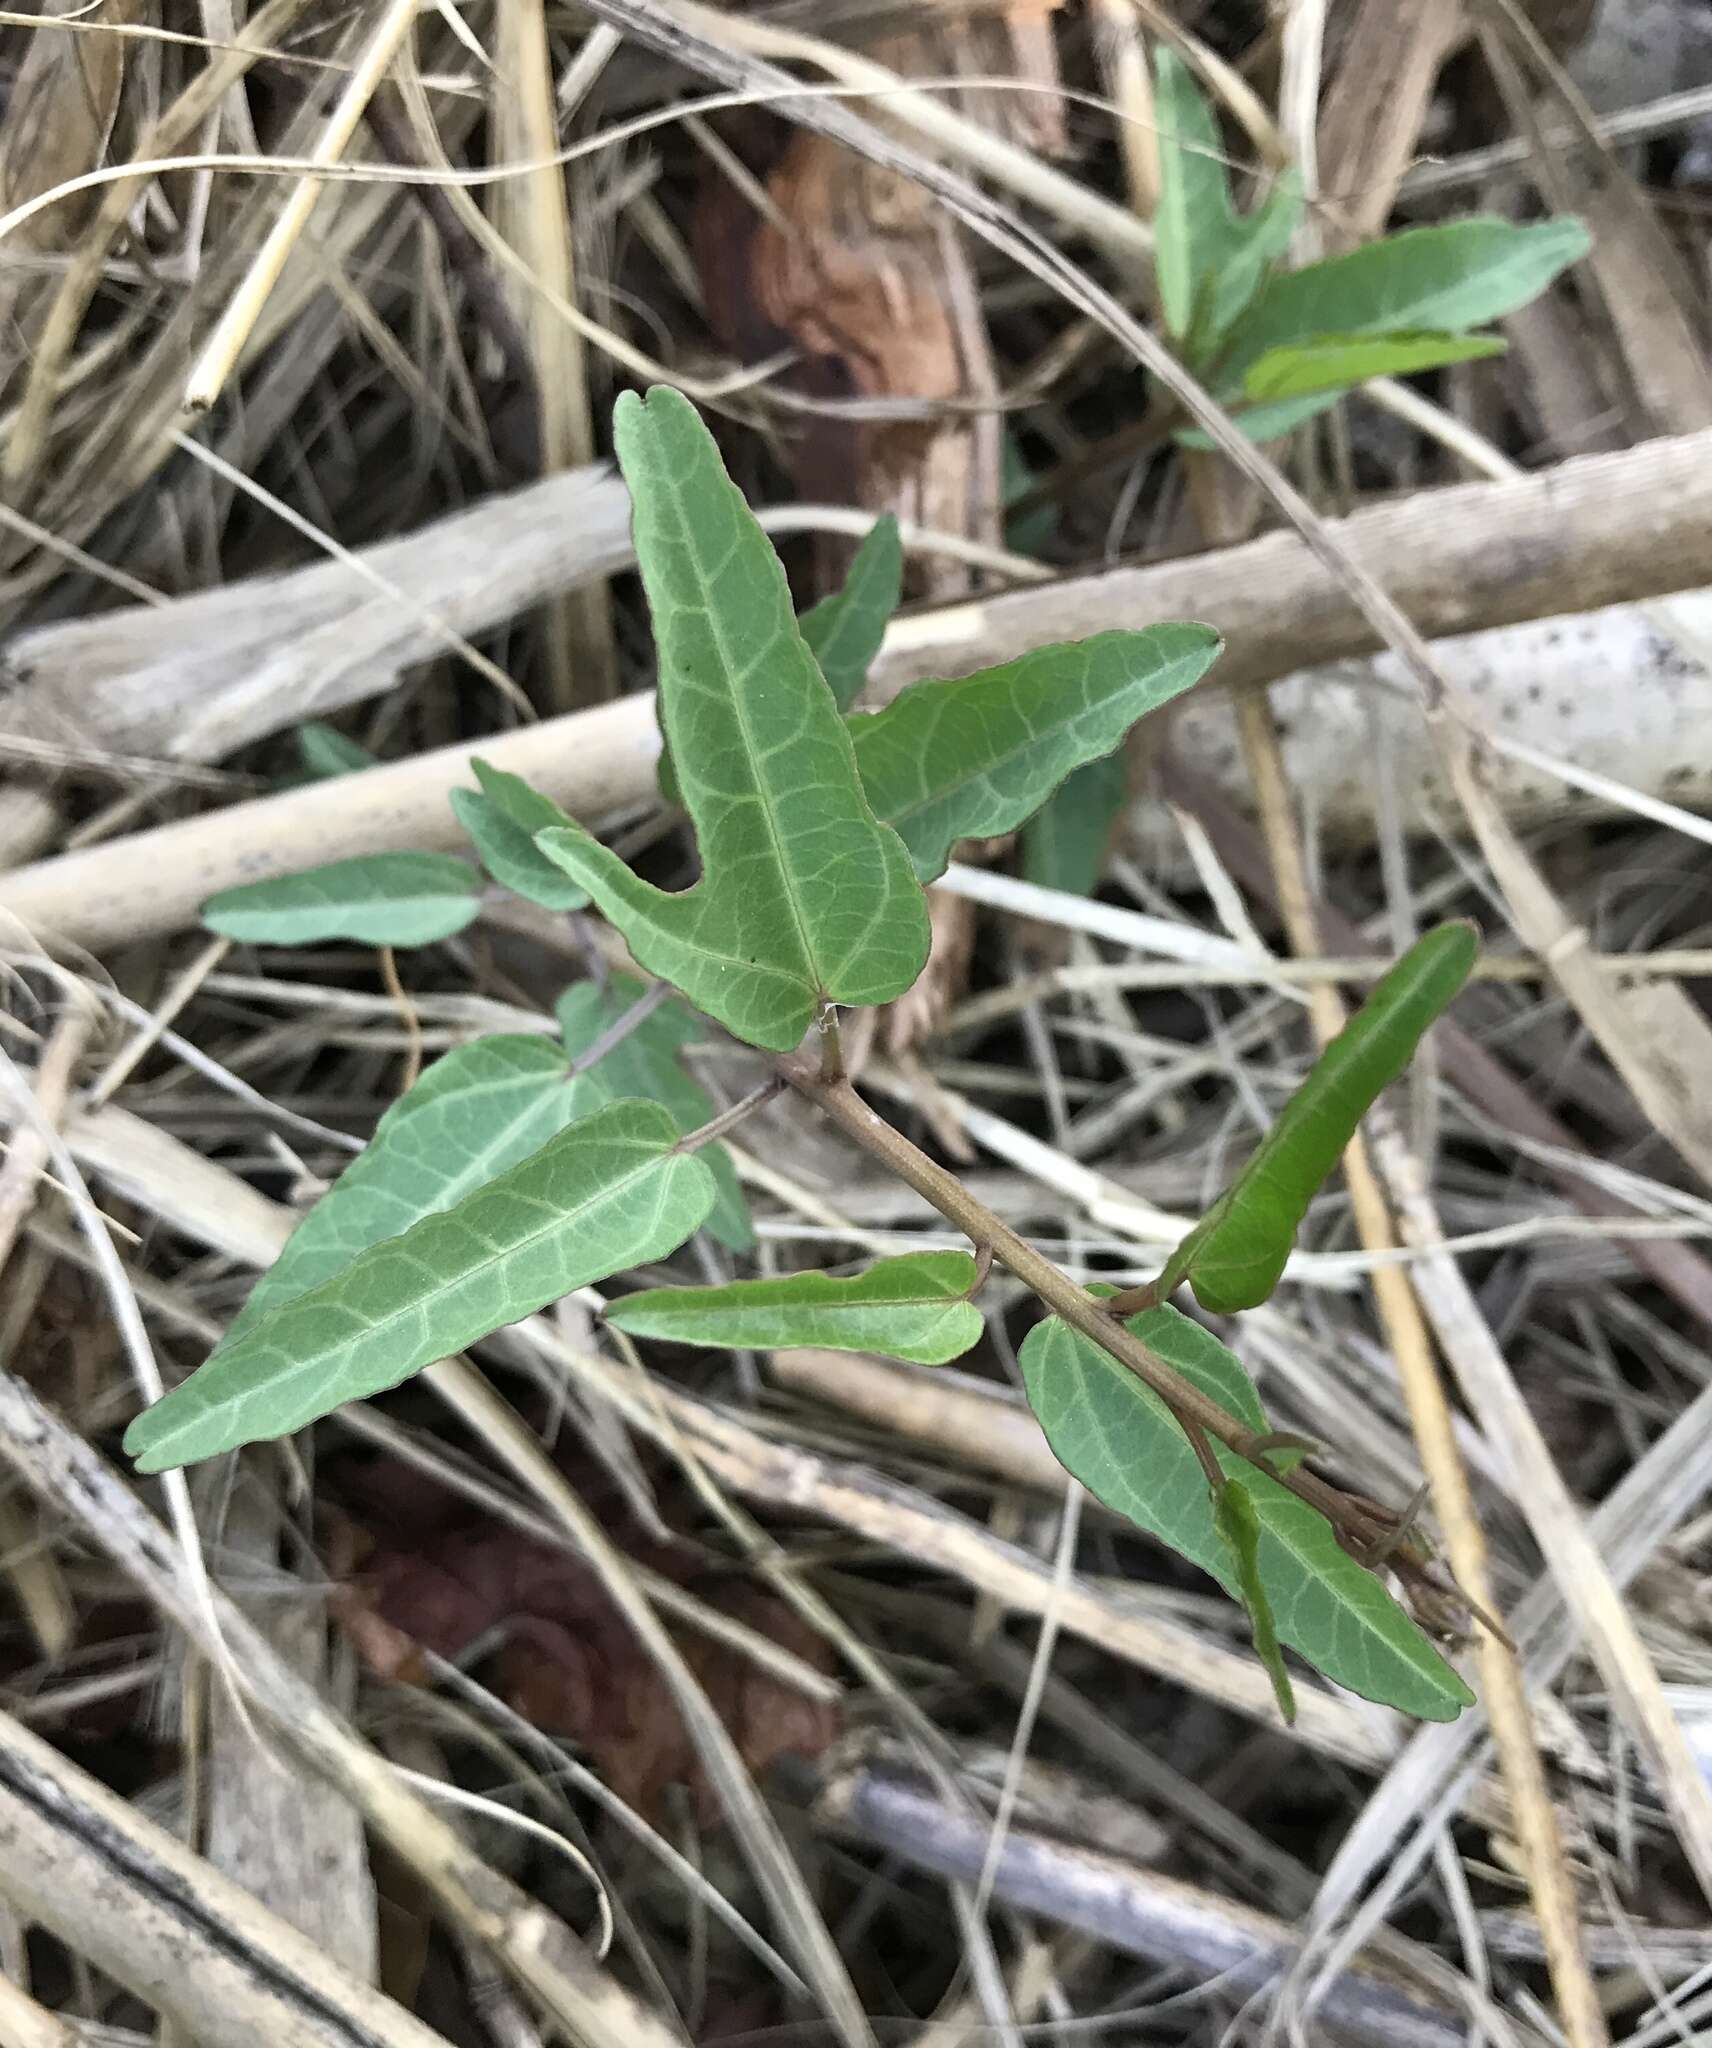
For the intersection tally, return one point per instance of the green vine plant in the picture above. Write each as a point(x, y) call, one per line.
point(519, 1168)
point(1278, 345)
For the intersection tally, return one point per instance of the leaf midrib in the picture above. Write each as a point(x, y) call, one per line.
point(711, 612)
point(947, 790)
point(259, 1339)
point(1369, 1631)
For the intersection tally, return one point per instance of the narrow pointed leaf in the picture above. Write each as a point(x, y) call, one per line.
point(915, 1307)
point(1238, 1524)
point(502, 819)
point(1436, 279)
point(647, 1062)
point(476, 1111)
point(1234, 1256)
point(960, 760)
point(805, 897)
point(378, 899)
point(1120, 1440)
point(1194, 225)
point(1066, 842)
point(1335, 362)
point(1210, 259)
point(325, 752)
point(606, 1194)
point(844, 630)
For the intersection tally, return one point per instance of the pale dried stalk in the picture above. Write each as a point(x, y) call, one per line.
point(1549, 1882)
point(1121, 1903)
point(25, 2024)
point(533, 215)
point(1584, 1584)
point(1595, 531)
point(232, 330)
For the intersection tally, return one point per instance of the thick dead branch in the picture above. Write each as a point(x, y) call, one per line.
point(160, 1920)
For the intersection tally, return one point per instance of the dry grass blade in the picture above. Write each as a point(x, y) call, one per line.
point(536, 1950)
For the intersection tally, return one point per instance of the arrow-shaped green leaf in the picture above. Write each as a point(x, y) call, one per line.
point(1234, 1256)
point(960, 760)
point(476, 1111)
point(1117, 1437)
point(805, 898)
point(609, 1193)
point(1210, 258)
point(915, 1307)
point(645, 1062)
point(502, 819)
point(844, 630)
point(379, 899)
point(1334, 362)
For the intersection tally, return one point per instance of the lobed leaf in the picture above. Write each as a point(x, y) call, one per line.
point(960, 760)
point(1335, 362)
point(844, 630)
point(1234, 1256)
point(502, 819)
point(1114, 1434)
point(606, 1194)
point(378, 899)
point(915, 1307)
point(1434, 279)
point(805, 898)
point(1239, 1527)
point(1065, 843)
point(1209, 258)
point(647, 1062)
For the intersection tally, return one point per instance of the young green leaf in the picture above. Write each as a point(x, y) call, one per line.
point(915, 1307)
point(805, 898)
point(1195, 225)
point(844, 630)
point(325, 752)
point(1210, 259)
point(1117, 1437)
point(476, 1111)
point(1335, 362)
point(646, 1061)
point(1065, 843)
point(378, 899)
point(1239, 1526)
point(1426, 280)
point(606, 1194)
point(502, 819)
point(1234, 1256)
point(960, 760)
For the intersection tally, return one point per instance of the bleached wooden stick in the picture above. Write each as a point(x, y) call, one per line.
point(1600, 531)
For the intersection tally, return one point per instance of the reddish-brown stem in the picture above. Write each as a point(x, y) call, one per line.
point(1356, 1520)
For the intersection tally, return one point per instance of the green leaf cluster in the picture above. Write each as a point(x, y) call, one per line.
point(1279, 345)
